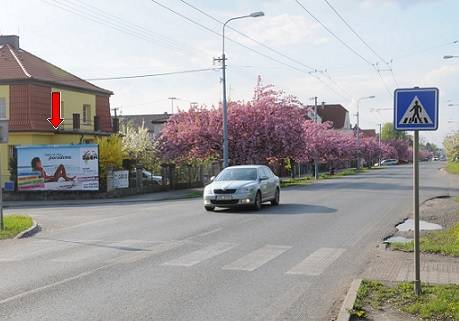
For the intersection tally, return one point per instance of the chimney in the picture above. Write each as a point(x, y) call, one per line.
point(11, 40)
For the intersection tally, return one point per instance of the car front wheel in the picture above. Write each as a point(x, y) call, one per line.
point(276, 199)
point(258, 203)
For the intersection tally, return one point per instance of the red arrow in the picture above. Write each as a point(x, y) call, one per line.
point(55, 118)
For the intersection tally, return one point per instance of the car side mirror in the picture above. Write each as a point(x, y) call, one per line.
point(263, 178)
point(212, 178)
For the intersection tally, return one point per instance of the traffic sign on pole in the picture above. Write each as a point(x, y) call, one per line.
point(416, 109)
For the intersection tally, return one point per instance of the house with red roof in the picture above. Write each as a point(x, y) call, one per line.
point(26, 83)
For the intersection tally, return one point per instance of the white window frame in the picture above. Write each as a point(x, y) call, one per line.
point(86, 114)
point(3, 108)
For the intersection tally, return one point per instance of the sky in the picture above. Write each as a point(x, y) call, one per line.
point(302, 55)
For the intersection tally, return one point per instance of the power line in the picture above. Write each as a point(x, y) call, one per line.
point(249, 37)
point(122, 25)
point(334, 34)
point(355, 32)
point(421, 51)
point(363, 41)
point(246, 47)
point(150, 75)
point(344, 43)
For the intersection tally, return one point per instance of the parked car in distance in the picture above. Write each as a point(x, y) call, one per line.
point(149, 177)
point(245, 185)
point(435, 159)
point(389, 162)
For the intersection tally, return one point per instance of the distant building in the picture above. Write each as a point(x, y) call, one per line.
point(336, 114)
point(368, 132)
point(26, 83)
point(153, 122)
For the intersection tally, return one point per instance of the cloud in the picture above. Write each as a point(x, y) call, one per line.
point(283, 30)
point(401, 3)
point(442, 74)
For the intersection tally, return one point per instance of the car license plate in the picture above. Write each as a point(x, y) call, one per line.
point(224, 197)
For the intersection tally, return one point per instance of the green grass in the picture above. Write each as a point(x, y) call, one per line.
point(453, 168)
point(310, 179)
point(194, 194)
point(296, 181)
point(437, 302)
point(15, 224)
point(440, 242)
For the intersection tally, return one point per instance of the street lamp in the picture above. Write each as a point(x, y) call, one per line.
point(450, 57)
point(225, 103)
point(358, 126)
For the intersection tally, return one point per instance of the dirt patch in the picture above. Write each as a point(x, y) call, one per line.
point(443, 211)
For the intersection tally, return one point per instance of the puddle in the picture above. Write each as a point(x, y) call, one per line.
point(397, 239)
point(408, 225)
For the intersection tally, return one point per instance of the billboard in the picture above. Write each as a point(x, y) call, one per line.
point(58, 168)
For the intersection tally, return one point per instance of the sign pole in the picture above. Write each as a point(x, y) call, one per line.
point(417, 263)
point(2, 226)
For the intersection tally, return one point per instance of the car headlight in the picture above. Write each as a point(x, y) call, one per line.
point(244, 190)
point(208, 190)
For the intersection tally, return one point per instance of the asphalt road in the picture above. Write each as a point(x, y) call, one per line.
point(174, 261)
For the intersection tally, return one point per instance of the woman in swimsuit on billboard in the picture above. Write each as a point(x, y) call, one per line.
point(60, 172)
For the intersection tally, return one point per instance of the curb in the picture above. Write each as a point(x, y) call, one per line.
point(35, 228)
point(104, 202)
point(349, 300)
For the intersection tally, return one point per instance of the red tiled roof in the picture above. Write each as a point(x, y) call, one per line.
point(368, 132)
point(18, 64)
point(333, 113)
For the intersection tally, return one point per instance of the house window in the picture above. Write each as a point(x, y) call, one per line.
point(2, 108)
point(86, 114)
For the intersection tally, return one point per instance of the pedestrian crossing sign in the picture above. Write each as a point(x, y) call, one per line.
point(416, 109)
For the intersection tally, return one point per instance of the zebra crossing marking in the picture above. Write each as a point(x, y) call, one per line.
point(257, 258)
point(317, 262)
point(198, 256)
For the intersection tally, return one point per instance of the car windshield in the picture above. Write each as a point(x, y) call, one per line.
point(238, 174)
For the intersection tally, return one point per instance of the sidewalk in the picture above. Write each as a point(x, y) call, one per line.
point(390, 265)
point(151, 197)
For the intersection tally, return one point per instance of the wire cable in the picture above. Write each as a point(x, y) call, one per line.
point(246, 47)
point(334, 34)
point(151, 75)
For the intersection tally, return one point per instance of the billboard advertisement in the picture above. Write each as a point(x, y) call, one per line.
point(58, 167)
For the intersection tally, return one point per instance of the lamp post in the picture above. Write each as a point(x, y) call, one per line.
point(358, 126)
point(225, 103)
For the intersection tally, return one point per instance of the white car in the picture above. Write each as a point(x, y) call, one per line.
point(389, 162)
point(249, 185)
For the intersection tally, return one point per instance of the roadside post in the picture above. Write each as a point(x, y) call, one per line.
point(3, 140)
point(416, 109)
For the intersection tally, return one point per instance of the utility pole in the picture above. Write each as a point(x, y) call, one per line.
point(358, 127)
point(379, 144)
point(115, 111)
point(316, 163)
point(172, 103)
point(3, 140)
